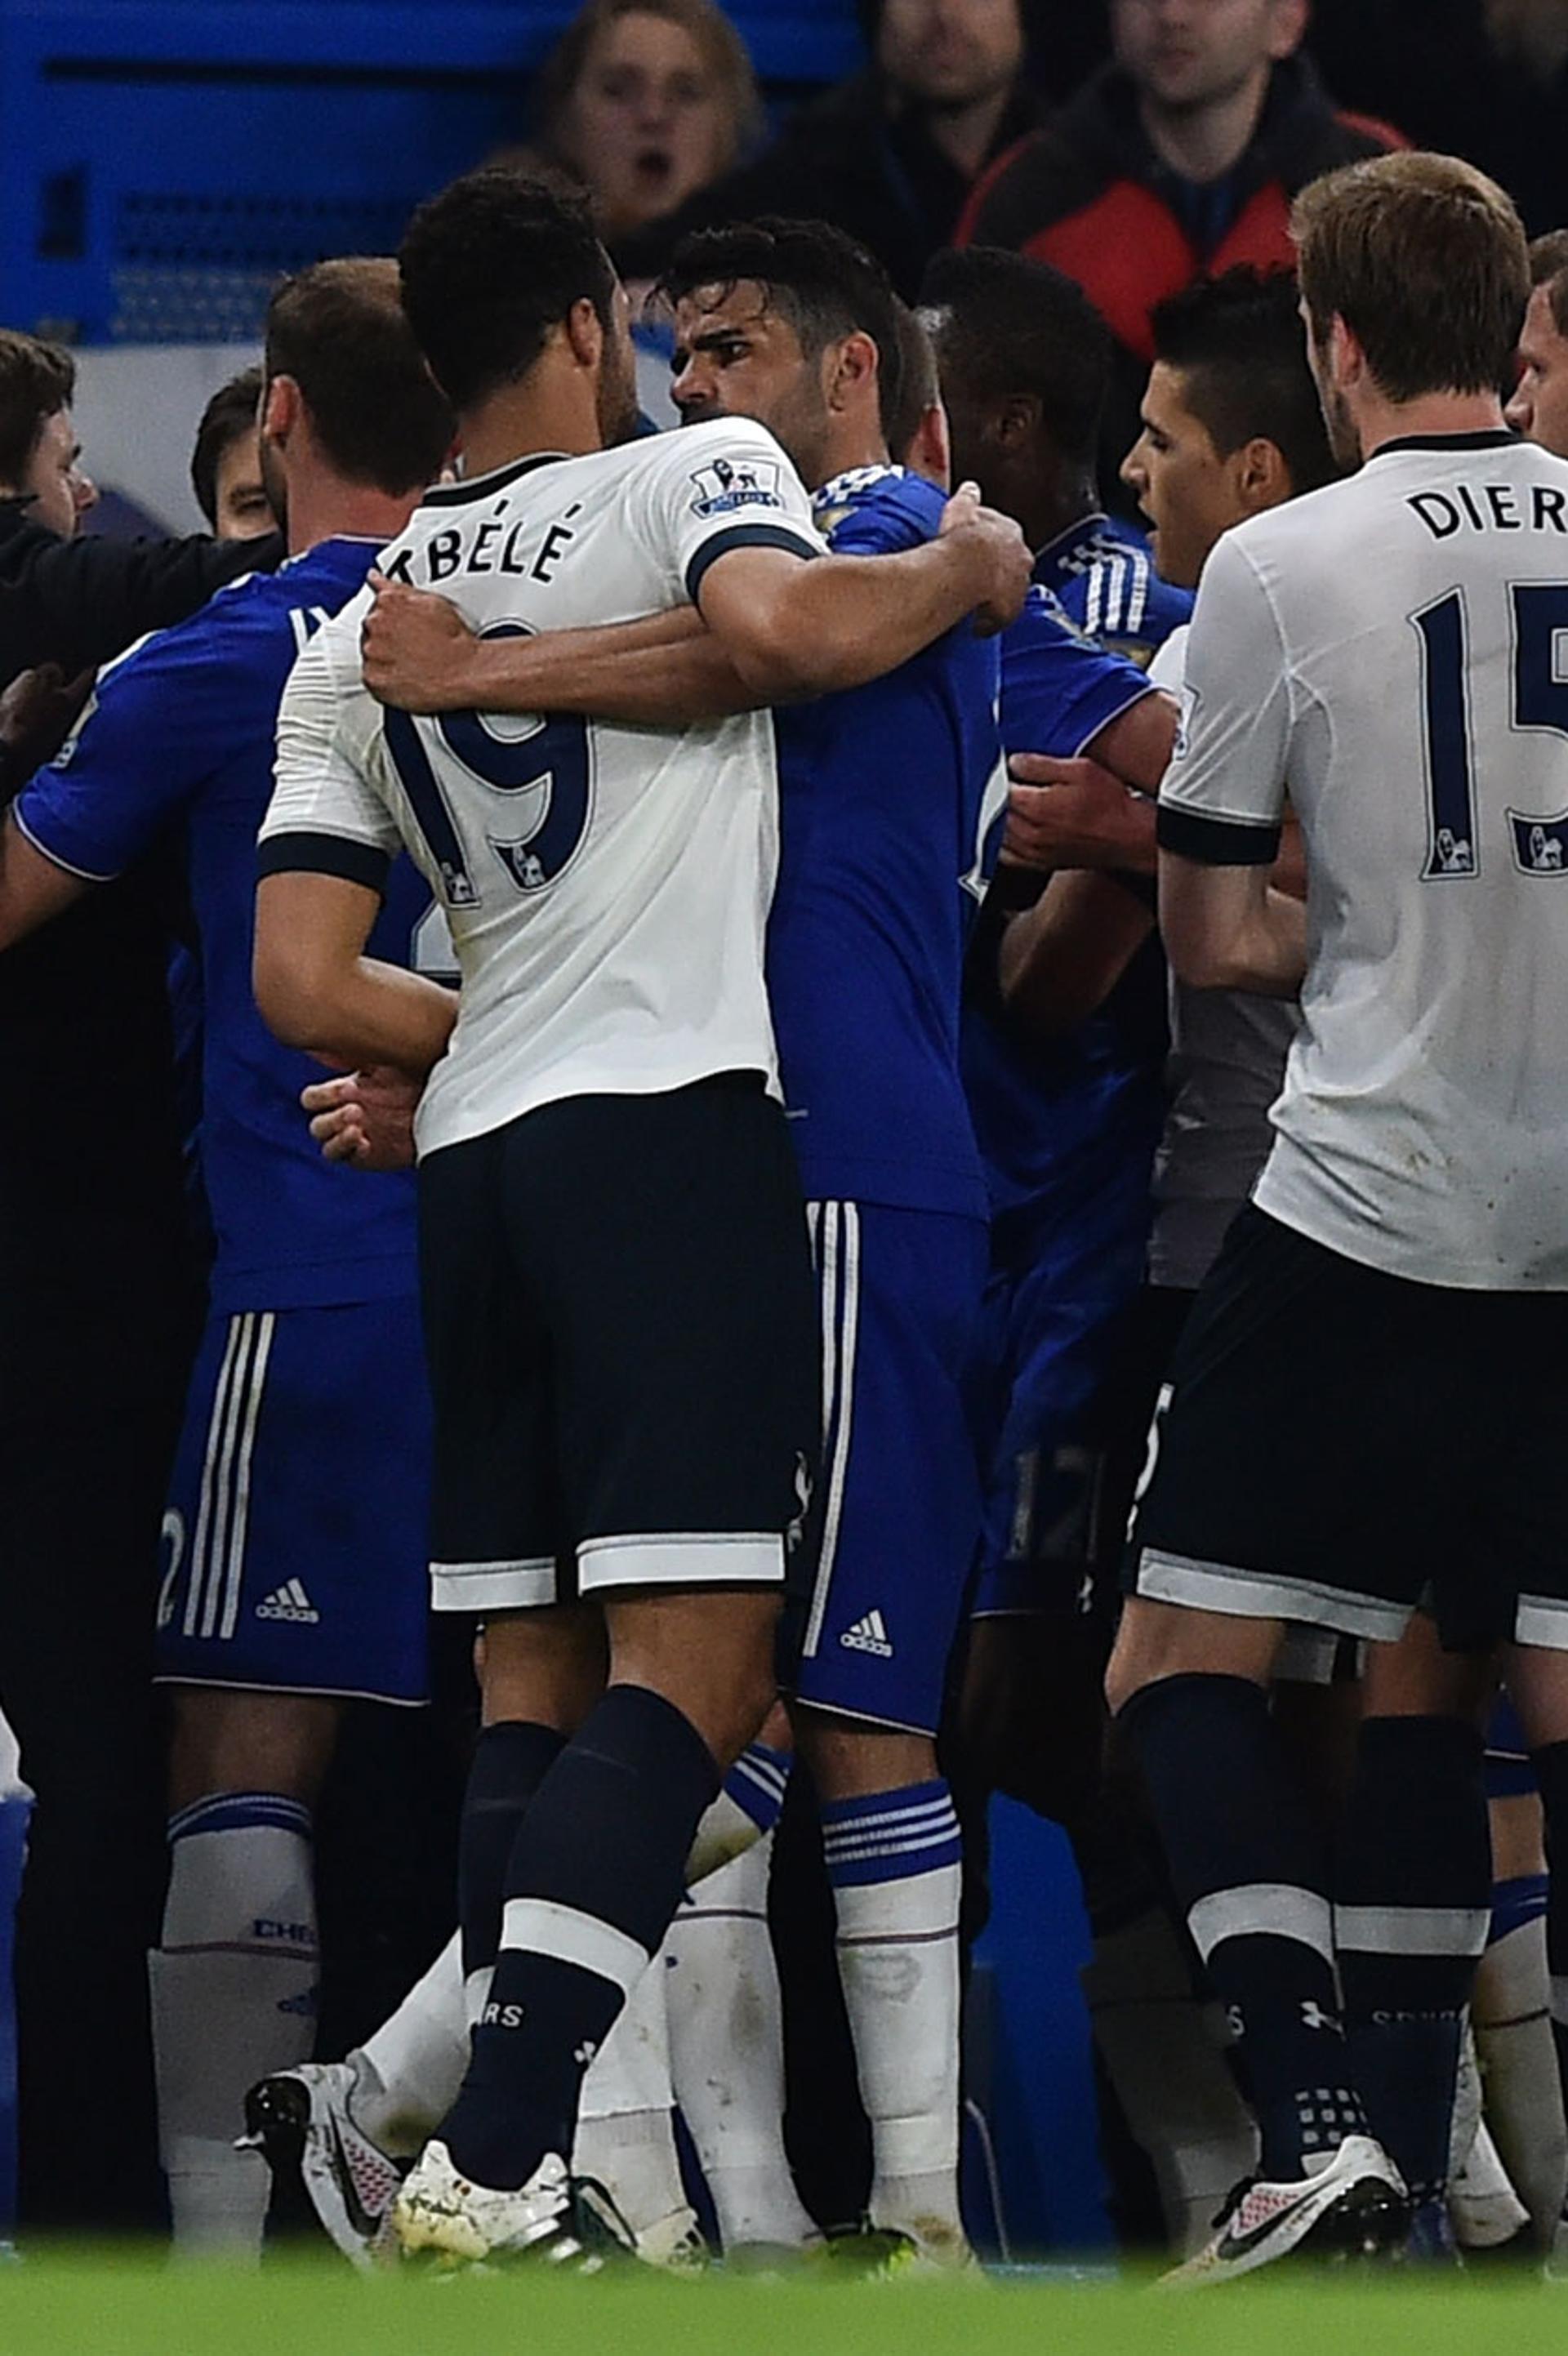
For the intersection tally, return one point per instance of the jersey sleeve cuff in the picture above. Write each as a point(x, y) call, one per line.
point(1216, 841)
point(1086, 733)
point(743, 535)
point(301, 852)
point(46, 850)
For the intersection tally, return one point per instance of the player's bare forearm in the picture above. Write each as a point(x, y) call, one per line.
point(32, 888)
point(316, 989)
point(1228, 928)
point(1059, 960)
point(665, 671)
point(797, 629)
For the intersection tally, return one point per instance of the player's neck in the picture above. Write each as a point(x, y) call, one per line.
point(849, 445)
point(1057, 512)
point(526, 419)
point(330, 509)
point(1435, 413)
point(1203, 143)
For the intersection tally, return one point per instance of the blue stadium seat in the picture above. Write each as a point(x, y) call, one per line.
point(166, 161)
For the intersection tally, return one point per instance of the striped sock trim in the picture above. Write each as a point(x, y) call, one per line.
point(756, 1784)
point(232, 1811)
point(892, 1836)
point(1516, 1903)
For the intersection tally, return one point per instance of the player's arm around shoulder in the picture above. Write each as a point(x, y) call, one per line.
point(799, 630)
point(326, 845)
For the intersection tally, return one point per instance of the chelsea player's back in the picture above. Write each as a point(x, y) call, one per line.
point(888, 795)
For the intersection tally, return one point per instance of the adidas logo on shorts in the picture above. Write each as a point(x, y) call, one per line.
point(288, 1601)
point(868, 1635)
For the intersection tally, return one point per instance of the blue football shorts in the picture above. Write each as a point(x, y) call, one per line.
point(296, 1539)
point(895, 1513)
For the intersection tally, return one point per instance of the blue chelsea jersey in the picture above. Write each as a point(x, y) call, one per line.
point(891, 796)
point(1050, 1115)
point(1105, 578)
point(180, 735)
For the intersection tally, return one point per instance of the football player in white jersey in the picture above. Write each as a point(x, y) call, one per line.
point(617, 1295)
point(1362, 1410)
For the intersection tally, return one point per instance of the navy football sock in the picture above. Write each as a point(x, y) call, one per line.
point(1412, 1903)
point(1251, 1871)
point(595, 1875)
point(511, 1760)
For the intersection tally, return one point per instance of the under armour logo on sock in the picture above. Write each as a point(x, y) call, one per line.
point(1313, 2016)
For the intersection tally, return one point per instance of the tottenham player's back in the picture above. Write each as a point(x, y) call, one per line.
point(1407, 620)
point(1391, 1304)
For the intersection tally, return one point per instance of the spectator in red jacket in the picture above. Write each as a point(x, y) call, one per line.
point(1178, 160)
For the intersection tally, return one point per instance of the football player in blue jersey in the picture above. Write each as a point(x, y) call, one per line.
point(294, 1575)
point(1028, 366)
point(890, 797)
point(1063, 1035)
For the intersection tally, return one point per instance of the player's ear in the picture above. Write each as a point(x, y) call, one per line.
point(1288, 28)
point(586, 333)
point(282, 407)
point(853, 368)
point(1015, 422)
point(1262, 477)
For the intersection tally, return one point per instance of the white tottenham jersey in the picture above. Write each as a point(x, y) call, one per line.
point(606, 887)
point(1224, 1071)
point(1397, 646)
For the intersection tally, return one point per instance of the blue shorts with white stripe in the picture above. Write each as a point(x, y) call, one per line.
point(297, 1540)
point(896, 1516)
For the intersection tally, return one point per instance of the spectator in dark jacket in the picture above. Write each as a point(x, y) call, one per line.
point(890, 156)
point(96, 1303)
point(1178, 160)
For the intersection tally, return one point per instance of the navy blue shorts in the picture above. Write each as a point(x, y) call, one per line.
point(896, 1517)
point(1053, 1335)
point(296, 1539)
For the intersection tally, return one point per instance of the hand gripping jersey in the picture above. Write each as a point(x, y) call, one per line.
point(1104, 577)
point(891, 795)
point(1394, 648)
point(606, 886)
point(179, 736)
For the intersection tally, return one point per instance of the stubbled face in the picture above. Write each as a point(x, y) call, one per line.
point(1187, 54)
point(1343, 437)
point(735, 356)
point(951, 53)
point(1539, 409)
point(241, 508)
point(1185, 492)
point(53, 478)
point(616, 400)
point(646, 127)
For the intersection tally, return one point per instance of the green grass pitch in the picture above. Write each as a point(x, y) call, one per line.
point(67, 2304)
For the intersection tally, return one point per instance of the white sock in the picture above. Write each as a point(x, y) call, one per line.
point(233, 1997)
point(1486, 2211)
point(745, 1806)
point(1168, 2066)
point(895, 1863)
point(727, 2047)
point(408, 2074)
point(1511, 2012)
point(626, 2120)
